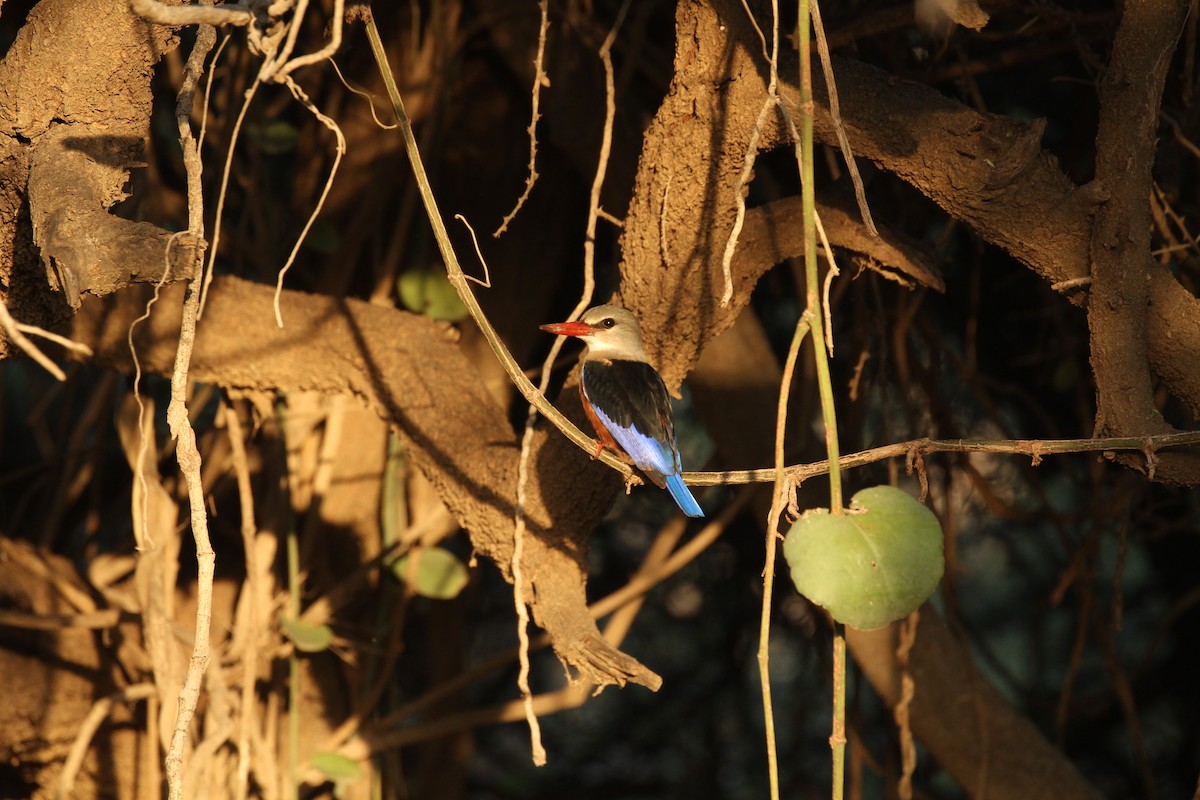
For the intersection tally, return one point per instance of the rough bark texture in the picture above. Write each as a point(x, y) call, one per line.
point(412, 372)
point(65, 151)
point(1119, 301)
point(984, 169)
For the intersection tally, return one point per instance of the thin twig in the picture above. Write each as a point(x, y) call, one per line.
point(903, 708)
point(222, 192)
point(837, 738)
point(781, 491)
point(16, 334)
point(539, 80)
point(641, 583)
point(748, 159)
point(249, 598)
point(335, 41)
point(141, 533)
point(1035, 449)
point(370, 98)
point(585, 300)
point(460, 281)
point(835, 113)
point(487, 273)
point(87, 729)
point(103, 619)
point(187, 453)
point(780, 495)
point(340, 151)
point(276, 60)
point(537, 749)
point(751, 153)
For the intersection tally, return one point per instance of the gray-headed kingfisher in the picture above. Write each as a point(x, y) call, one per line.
point(626, 400)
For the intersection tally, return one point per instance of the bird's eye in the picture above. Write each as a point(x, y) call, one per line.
point(608, 323)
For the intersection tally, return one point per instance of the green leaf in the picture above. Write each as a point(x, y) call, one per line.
point(336, 767)
point(429, 292)
point(307, 638)
point(872, 564)
point(274, 137)
point(439, 574)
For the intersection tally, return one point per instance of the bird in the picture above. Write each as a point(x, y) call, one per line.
point(626, 400)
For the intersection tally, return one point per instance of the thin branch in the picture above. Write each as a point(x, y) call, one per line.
point(393, 730)
point(748, 160)
point(187, 453)
point(643, 581)
point(460, 281)
point(210, 268)
point(585, 300)
point(16, 334)
point(370, 98)
point(87, 729)
point(275, 61)
point(539, 80)
point(835, 113)
point(249, 598)
point(340, 151)
point(914, 448)
point(837, 738)
point(331, 47)
point(103, 619)
point(907, 635)
point(779, 501)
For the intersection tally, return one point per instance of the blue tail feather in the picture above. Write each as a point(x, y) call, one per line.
point(683, 496)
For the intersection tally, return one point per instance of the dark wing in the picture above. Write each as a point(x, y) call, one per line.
point(631, 400)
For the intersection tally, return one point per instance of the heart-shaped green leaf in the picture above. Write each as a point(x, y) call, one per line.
point(439, 574)
point(307, 638)
point(872, 564)
point(428, 291)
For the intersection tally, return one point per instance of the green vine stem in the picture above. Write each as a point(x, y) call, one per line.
point(837, 739)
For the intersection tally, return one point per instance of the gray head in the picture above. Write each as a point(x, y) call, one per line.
point(610, 332)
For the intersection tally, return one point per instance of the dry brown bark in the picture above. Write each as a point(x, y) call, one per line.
point(412, 372)
point(1120, 295)
point(65, 153)
point(985, 170)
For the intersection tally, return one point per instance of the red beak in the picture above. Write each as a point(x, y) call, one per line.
point(569, 328)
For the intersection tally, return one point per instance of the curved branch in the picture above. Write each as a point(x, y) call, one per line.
point(409, 370)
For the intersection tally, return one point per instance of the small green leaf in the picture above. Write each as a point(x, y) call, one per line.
point(871, 565)
point(429, 292)
point(308, 638)
point(439, 574)
point(274, 137)
point(336, 767)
